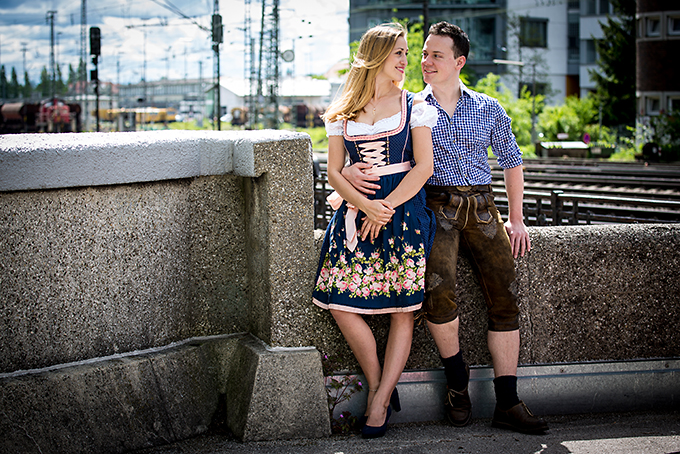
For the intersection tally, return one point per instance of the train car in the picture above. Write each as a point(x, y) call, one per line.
point(51, 115)
point(54, 115)
point(19, 117)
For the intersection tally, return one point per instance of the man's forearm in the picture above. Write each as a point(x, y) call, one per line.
point(514, 186)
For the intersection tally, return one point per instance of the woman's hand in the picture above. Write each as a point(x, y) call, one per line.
point(378, 213)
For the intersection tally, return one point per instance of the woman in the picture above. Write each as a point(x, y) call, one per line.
point(374, 251)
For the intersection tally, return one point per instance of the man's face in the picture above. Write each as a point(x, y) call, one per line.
point(438, 61)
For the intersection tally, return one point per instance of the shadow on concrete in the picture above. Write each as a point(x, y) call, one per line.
point(627, 433)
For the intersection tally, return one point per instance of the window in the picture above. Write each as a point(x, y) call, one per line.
point(589, 7)
point(653, 27)
point(533, 32)
point(674, 25)
point(653, 105)
point(573, 38)
point(674, 104)
point(604, 7)
point(590, 55)
point(481, 31)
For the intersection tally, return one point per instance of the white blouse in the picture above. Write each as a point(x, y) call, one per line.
point(422, 114)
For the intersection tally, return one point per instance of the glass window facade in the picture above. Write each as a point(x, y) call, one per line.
point(533, 32)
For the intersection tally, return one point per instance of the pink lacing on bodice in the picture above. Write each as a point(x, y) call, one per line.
point(373, 153)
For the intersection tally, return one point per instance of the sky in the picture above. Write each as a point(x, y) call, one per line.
point(170, 32)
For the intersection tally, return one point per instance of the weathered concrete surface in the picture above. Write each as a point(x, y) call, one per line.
point(97, 270)
point(115, 405)
point(89, 272)
point(276, 393)
point(587, 293)
point(164, 395)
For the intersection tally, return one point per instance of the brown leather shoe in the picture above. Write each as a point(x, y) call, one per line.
point(520, 419)
point(458, 406)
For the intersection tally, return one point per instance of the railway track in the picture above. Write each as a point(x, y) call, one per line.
point(576, 192)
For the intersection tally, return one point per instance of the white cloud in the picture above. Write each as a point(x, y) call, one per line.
point(318, 30)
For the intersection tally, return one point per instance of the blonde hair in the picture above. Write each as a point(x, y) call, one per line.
point(375, 46)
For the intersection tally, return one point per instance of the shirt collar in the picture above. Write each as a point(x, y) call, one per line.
point(427, 95)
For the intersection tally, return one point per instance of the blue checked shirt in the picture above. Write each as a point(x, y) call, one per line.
point(460, 142)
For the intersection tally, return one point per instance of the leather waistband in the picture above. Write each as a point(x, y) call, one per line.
point(475, 188)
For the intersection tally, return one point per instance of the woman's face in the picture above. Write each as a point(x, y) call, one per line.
point(395, 65)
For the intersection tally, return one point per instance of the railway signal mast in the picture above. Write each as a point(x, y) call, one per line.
point(95, 51)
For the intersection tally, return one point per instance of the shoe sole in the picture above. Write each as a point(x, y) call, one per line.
point(463, 423)
point(503, 425)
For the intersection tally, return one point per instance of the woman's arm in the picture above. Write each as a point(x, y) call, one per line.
point(414, 179)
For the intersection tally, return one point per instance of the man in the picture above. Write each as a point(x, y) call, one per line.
point(460, 195)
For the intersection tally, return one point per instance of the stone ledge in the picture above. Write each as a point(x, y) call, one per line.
point(48, 161)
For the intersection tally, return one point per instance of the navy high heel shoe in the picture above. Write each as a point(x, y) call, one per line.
point(394, 400)
point(376, 432)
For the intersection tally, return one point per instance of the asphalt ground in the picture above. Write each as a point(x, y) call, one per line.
point(609, 433)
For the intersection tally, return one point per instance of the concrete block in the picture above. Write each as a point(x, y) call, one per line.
point(276, 393)
point(114, 405)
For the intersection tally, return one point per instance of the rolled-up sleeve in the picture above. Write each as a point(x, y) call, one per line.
point(503, 143)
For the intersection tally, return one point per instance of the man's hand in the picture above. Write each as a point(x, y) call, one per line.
point(519, 238)
point(357, 178)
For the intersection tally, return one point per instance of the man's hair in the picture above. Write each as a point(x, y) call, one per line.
point(461, 42)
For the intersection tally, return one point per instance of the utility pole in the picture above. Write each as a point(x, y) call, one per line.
point(143, 100)
point(249, 69)
point(24, 49)
point(217, 32)
point(53, 70)
point(82, 64)
point(269, 32)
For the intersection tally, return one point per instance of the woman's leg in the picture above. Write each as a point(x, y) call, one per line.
point(362, 342)
point(396, 354)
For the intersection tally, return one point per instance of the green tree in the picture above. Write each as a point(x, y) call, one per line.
point(72, 76)
point(60, 88)
point(14, 87)
point(615, 79)
point(570, 118)
point(519, 109)
point(44, 86)
point(3, 82)
point(27, 88)
point(414, 75)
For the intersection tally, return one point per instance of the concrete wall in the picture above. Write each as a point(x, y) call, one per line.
point(119, 242)
point(171, 273)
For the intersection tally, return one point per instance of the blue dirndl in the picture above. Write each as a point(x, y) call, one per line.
point(387, 274)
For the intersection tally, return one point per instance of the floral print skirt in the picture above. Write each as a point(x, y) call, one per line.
point(385, 275)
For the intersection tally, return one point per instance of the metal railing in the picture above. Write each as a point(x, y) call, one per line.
point(588, 194)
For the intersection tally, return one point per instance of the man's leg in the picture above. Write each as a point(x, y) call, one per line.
point(457, 404)
point(441, 311)
point(491, 257)
point(504, 348)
